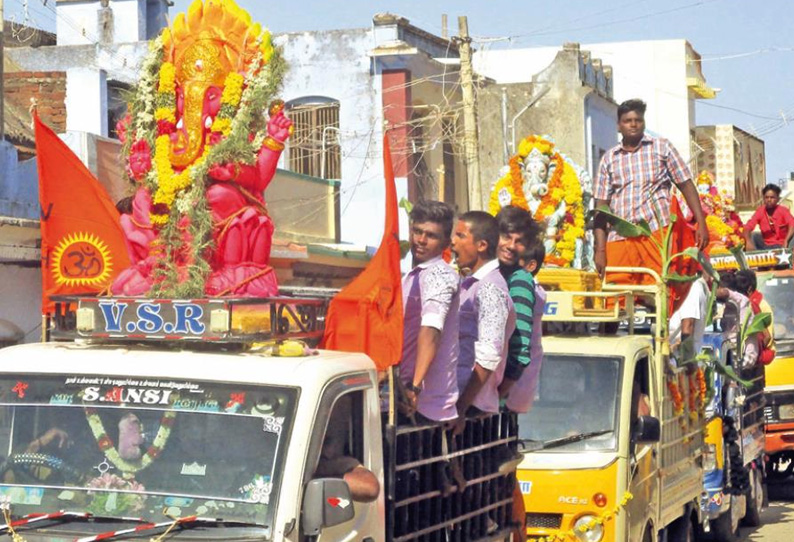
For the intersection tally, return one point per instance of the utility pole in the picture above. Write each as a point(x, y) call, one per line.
point(2, 75)
point(471, 142)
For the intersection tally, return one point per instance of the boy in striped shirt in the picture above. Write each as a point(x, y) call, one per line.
point(517, 232)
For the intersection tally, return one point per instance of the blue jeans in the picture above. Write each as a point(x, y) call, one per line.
point(758, 241)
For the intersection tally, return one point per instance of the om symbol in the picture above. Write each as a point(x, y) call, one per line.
point(83, 260)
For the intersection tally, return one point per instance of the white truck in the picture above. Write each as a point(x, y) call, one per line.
point(168, 419)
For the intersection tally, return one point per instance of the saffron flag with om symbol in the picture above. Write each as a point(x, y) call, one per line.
point(82, 244)
point(367, 315)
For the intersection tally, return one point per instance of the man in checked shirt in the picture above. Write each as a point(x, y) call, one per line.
point(634, 181)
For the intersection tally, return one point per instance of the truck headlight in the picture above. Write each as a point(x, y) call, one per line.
point(710, 457)
point(785, 412)
point(593, 532)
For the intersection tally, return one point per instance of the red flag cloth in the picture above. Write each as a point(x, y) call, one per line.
point(367, 315)
point(82, 243)
point(682, 238)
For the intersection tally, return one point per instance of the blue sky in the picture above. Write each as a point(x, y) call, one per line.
point(747, 47)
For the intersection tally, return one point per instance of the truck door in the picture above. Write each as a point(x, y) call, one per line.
point(352, 441)
point(643, 463)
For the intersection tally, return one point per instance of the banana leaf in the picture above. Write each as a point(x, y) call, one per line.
point(738, 253)
point(728, 371)
point(405, 204)
point(675, 277)
point(623, 227)
point(758, 324)
point(701, 258)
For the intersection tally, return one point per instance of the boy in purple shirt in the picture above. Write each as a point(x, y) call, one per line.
point(487, 316)
point(430, 325)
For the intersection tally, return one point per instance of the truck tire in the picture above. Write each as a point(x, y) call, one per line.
point(726, 527)
point(755, 499)
point(682, 530)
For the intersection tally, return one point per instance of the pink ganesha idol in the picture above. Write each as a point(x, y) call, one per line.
point(200, 157)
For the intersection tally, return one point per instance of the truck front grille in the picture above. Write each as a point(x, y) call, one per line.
point(544, 521)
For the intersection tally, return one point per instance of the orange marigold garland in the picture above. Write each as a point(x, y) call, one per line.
point(563, 185)
point(702, 388)
point(694, 394)
point(675, 395)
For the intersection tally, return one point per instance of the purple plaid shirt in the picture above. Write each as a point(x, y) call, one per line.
point(431, 298)
point(637, 184)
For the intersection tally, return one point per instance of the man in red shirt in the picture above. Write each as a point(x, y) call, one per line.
point(774, 221)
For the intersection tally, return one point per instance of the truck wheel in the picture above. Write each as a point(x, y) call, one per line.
point(726, 527)
point(755, 500)
point(682, 530)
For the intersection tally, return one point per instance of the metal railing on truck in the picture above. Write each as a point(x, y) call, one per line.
point(422, 502)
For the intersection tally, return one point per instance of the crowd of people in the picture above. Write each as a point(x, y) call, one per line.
point(470, 333)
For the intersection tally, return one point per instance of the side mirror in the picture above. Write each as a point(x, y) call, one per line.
point(646, 430)
point(326, 503)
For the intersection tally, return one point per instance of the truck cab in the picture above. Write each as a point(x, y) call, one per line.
point(733, 459)
point(775, 278)
point(607, 458)
point(778, 289)
point(207, 427)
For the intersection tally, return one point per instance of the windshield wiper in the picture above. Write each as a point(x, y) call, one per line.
point(189, 522)
point(556, 443)
point(63, 516)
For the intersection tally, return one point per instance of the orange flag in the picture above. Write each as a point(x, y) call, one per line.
point(82, 243)
point(367, 315)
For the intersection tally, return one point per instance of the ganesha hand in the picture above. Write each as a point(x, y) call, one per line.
point(224, 172)
point(279, 127)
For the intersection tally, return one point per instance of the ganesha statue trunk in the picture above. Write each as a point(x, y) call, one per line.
point(557, 193)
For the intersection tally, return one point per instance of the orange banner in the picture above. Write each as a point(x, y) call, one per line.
point(367, 315)
point(82, 243)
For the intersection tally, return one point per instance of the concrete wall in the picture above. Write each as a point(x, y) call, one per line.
point(119, 61)
point(19, 188)
point(335, 65)
point(20, 290)
point(79, 21)
point(341, 66)
point(600, 128)
point(737, 161)
point(654, 71)
point(579, 118)
point(312, 217)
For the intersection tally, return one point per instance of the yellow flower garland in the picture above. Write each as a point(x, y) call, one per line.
point(169, 184)
point(167, 82)
point(563, 185)
point(600, 520)
point(232, 89)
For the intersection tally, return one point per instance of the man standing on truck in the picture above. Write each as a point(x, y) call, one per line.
point(487, 316)
point(517, 232)
point(634, 181)
point(688, 323)
point(430, 324)
point(774, 221)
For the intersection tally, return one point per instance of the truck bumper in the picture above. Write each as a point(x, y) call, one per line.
point(779, 438)
point(714, 501)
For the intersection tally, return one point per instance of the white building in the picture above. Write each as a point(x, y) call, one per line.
point(666, 74)
point(345, 87)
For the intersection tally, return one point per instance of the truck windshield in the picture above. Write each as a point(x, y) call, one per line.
point(576, 396)
point(142, 448)
point(779, 293)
